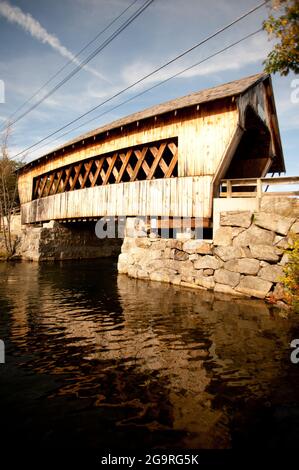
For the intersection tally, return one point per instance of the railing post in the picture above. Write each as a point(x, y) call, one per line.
point(228, 188)
point(259, 188)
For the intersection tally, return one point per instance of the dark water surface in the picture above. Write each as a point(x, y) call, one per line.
point(96, 359)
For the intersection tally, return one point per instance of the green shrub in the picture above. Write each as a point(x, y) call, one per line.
point(291, 271)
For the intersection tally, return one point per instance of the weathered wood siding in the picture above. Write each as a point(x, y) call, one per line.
point(203, 132)
point(182, 197)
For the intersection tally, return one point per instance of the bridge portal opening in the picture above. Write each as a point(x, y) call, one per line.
point(252, 158)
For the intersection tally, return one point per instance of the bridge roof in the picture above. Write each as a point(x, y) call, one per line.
point(233, 88)
point(199, 97)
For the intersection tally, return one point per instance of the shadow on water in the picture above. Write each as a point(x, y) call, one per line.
point(96, 359)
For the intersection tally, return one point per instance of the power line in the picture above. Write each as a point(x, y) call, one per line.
point(88, 59)
point(181, 72)
point(71, 60)
point(146, 76)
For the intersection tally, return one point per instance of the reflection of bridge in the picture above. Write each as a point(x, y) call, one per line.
point(165, 161)
point(171, 345)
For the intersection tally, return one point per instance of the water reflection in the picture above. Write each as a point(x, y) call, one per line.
point(100, 359)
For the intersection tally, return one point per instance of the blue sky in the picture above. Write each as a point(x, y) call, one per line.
point(34, 48)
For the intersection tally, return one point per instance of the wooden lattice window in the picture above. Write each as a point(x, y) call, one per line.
point(146, 162)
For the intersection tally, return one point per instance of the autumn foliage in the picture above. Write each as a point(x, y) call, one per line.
point(283, 25)
point(291, 270)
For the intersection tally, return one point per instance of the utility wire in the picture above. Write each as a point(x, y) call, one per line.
point(161, 83)
point(70, 61)
point(88, 59)
point(181, 72)
point(146, 76)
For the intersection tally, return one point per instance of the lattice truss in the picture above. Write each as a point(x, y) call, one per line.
point(151, 161)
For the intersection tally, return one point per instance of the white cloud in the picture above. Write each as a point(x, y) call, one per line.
point(250, 52)
point(288, 113)
point(235, 59)
point(15, 15)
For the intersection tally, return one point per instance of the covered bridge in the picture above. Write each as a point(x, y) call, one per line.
point(165, 161)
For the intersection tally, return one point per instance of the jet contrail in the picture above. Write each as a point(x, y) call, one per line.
point(15, 15)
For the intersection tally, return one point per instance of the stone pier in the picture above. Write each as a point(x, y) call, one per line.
point(57, 241)
point(246, 256)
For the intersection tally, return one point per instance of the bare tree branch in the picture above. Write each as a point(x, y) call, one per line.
point(8, 192)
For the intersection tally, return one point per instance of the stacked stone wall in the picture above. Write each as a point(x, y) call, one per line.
point(246, 257)
point(56, 241)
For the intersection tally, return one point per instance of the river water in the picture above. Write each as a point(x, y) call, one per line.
point(95, 359)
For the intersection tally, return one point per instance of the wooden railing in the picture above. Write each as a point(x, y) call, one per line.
point(144, 162)
point(257, 187)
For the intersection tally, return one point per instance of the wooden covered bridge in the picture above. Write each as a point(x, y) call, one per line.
point(165, 161)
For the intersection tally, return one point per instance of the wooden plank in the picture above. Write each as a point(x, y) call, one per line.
point(163, 165)
point(157, 154)
point(99, 164)
point(45, 179)
point(125, 160)
point(282, 180)
point(264, 194)
point(281, 193)
point(35, 191)
point(240, 194)
point(59, 173)
point(145, 167)
point(140, 155)
point(242, 183)
point(61, 182)
point(87, 167)
point(129, 170)
point(172, 165)
point(173, 148)
point(103, 175)
point(68, 174)
point(70, 181)
point(229, 188)
point(115, 170)
point(91, 177)
point(48, 189)
point(112, 161)
point(253, 181)
point(77, 172)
